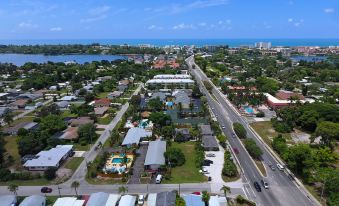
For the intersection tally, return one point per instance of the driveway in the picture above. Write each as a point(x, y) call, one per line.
point(215, 169)
point(138, 167)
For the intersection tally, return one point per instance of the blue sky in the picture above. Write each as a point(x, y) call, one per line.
point(128, 19)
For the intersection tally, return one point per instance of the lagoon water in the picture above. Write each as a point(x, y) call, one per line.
point(21, 59)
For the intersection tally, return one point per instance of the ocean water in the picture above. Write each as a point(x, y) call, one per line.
point(21, 59)
point(179, 42)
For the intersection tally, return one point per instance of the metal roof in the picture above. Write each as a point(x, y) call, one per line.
point(112, 200)
point(49, 158)
point(97, 199)
point(151, 199)
point(134, 135)
point(68, 201)
point(166, 199)
point(127, 200)
point(34, 200)
point(193, 200)
point(7, 200)
point(172, 76)
point(155, 153)
point(169, 81)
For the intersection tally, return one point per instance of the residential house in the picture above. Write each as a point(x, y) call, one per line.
point(127, 200)
point(166, 198)
point(19, 104)
point(69, 201)
point(30, 96)
point(123, 85)
point(184, 132)
point(181, 97)
point(97, 199)
point(8, 200)
point(34, 200)
point(161, 95)
point(71, 133)
point(114, 94)
point(155, 155)
point(80, 121)
point(62, 105)
point(134, 135)
point(209, 143)
point(50, 158)
point(205, 129)
point(112, 200)
point(103, 102)
point(68, 98)
point(4, 111)
point(13, 130)
point(100, 111)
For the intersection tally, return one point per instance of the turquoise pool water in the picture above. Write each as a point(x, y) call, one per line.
point(119, 160)
point(249, 110)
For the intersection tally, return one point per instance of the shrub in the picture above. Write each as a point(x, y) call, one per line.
point(175, 157)
point(253, 148)
point(229, 168)
point(260, 114)
point(199, 154)
point(279, 144)
point(281, 127)
point(240, 130)
point(50, 173)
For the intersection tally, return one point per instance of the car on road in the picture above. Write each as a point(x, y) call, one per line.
point(158, 179)
point(210, 155)
point(223, 126)
point(272, 167)
point(280, 167)
point(46, 190)
point(264, 184)
point(257, 186)
point(233, 135)
point(236, 151)
point(196, 193)
point(141, 200)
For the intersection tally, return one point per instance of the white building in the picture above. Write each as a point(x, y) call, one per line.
point(263, 45)
point(50, 158)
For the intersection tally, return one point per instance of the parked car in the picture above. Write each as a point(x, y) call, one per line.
point(257, 186)
point(223, 126)
point(204, 171)
point(280, 167)
point(210, 155)
point(46, 190)
point(158, 179)
point(233, 135)
point(272, 167)
point(209, 161)
point(264, 184)
point(236, 151)
point(209, 179)
point(196, 193)
point(141, 200)
point(206, 164)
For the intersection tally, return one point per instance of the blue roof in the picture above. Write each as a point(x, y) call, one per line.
point(193, 200)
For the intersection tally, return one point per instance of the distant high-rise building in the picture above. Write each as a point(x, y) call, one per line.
point(263, 45)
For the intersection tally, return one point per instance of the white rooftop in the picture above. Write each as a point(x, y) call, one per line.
point(172, 76)
point(169, 81)
point(49, 158)
point(69, 201)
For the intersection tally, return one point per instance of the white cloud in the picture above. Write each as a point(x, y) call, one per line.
point(183, 26)
point(290, 20)
point(27, 25)
point(220, 22)
point(228, 21)
point(295, 22)
point(92, 19)
point(329, 10)
point(154, 27)
point(56, 29)
point(99, 10)
point(202, 24)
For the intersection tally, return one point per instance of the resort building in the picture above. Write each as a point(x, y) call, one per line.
point(155, 155)
point(51, 158)
point(172, 76)
point(285, 98)
point(166, 81)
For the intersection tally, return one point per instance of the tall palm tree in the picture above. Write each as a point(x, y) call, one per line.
point(75, 185)
point(123, 189)
point(13, 188)
point(225, 189)
point(205, 197)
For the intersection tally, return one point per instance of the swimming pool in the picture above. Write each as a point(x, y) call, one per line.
point(249, 109)
point(119, 160)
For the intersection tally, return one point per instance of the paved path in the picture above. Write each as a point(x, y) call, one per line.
point(138, 167)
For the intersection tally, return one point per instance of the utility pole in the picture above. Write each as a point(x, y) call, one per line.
point(59, 190)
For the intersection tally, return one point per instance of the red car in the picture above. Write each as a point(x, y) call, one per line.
point(46, 190)
point(196, 193)
point(236, 151)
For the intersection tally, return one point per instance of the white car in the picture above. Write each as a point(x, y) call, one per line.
point(280, 167)
point(223, 127)
point(141, 200)
point(210, 155)
point(205, 171)
point(158, 179)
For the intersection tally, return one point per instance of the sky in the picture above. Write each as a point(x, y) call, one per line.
point(175, 19)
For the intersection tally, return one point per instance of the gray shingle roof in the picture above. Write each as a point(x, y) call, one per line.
point(155, 153)
point(205, 129)
point(166, 199)
point(134, 135)
point(161, 95)
point(34, 200)
point(181, 96)
point(209, 141)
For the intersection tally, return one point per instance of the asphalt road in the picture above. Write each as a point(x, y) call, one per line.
point(282, 190)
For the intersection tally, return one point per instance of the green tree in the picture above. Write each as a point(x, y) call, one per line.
point(279, 144)
point(240, 130)
point(49, 109)
point(179, 201)
point(8, 118)
point(115, 138)
point(122, 190)
point(75, 185)
point(174, 157)
point(205, 197)
point(208, 85)
point(160, 118)
point(87, 133)
point(13, 188)
point(253, 148)
point(50, 173)
point(329, 132)
point(155, 104)
point(225, 189)
point(52, 124)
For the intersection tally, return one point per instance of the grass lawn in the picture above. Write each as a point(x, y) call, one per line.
point(103, 94)
point(267, 133)
point(79, 147)
point(11, 147)
point(68, 114)
point(74, 163)
point(105, 120)
point(230, 179)
point(261, 167)
point(35, 182)
point(186, 173)
point(20, 120)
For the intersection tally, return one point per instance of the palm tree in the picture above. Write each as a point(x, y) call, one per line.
point(8, 118)
point(13, 188)
point(180, 107)
point(225, 189)
point(205, 197)
point(191, 106)
point(123, 189)
point(75, 185)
